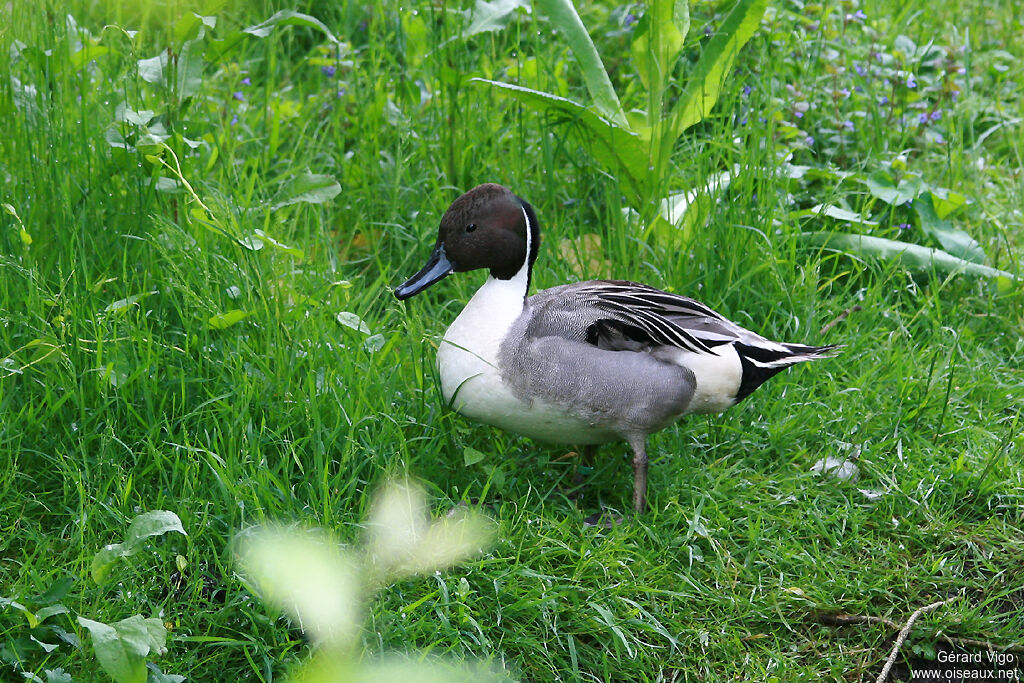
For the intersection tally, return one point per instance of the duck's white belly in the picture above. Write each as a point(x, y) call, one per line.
point(471, 381)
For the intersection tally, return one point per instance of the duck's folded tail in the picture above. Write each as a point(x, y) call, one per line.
point(760, 363)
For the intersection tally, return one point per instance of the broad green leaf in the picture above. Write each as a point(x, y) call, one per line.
point(331, 667)
point(562, 15)
point(956, 242)
point(190, 69)
point(122, 305)
point(122, 647)
point(251, 242)
point(287, 17)
point(151, 70)
point(153, 523)
point(491, 16)
point(402, 540)
point(51, 610)
point(946, 201)
point(143, 527)
point(136, 118)
point(158, 676)
point(836, 212)
point(192, 26)
point(222, 321)
point(47, 647)
point(307, 575)
point(353, 321)
point(704, 83)
point(218, 50)
point(308, 188)
point(57, 675)
point(264, 237)
point(29, 615)
point(374, 343)
point(911, 256)
point(880, 184)
point(57, 590)
point(88, 53)
point(658, 40)
point(471, 456)
point(620, 150)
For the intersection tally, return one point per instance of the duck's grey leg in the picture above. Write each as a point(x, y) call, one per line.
point(639, 444)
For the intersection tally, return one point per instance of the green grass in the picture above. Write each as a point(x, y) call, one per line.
point(108, 410)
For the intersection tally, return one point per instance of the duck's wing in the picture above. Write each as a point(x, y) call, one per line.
point(618, 315)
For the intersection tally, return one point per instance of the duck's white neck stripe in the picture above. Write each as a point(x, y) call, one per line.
point(523, 274)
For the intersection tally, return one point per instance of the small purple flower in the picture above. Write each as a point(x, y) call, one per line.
point(859, 68)
point(955, 95)
point(328, 70)
point(843, 92)
point(629, 20)
point(707, 31)
point(903, 226)
point(813, 27)
point(341, 92)
point(859, 15)
point(922, 118)
point(935, 115)
point(857, 88)
point(939, 139)
point(883, 100)
point(798, 114)
point(246, 81)
point(911, 82)
point(238, 95)
point(809, 141)
point(848, 125)
point(746, 91)
point(234, 119)
point(743, 121)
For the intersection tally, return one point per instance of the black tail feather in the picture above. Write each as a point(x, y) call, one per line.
point(760, 363)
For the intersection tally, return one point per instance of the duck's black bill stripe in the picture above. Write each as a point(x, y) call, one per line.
point(438, 267)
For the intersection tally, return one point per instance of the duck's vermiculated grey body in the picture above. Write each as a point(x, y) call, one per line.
point(584, 363)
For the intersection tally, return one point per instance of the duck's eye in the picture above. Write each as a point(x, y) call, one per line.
point(471, 227)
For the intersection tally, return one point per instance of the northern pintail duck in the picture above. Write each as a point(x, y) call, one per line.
point(584, 363)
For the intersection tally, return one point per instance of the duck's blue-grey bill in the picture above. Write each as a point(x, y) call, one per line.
point(437, 268)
